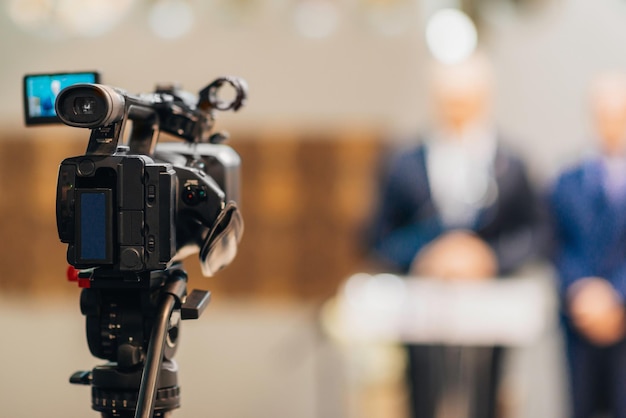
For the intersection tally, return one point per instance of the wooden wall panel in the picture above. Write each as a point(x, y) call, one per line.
point(305, 200)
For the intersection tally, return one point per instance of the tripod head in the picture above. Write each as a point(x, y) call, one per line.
point(137, 330)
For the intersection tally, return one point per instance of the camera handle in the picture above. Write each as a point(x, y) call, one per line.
point(121, 389)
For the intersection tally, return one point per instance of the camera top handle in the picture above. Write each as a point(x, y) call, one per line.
point(105, 111)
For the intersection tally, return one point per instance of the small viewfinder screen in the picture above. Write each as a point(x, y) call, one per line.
point(94, 225)
point(41, 90)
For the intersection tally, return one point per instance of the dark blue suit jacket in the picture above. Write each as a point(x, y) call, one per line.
point(590, 232)
point(407, 219)
point(590, 238)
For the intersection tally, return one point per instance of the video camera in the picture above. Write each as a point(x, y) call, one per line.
point(130, 210)
point(140, 206)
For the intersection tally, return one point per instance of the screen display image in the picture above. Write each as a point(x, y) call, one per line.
point(41, 90)
point(94, 225)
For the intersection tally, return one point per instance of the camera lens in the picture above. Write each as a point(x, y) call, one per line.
point(84, 105)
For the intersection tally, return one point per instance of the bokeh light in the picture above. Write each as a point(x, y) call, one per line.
point(451, 35)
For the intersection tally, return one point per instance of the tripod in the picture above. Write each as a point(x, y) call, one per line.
point(133, 321)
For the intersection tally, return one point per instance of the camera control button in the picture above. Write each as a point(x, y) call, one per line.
point(86, 167)
point(202, 193)
point(190, 195)
point(151, 195)
point(130, 258)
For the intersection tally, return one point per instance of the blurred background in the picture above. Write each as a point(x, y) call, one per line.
point(335, 85)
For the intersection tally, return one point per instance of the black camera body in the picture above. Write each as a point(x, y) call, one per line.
point(141, 206)
point(117, 211)
point(130, 213)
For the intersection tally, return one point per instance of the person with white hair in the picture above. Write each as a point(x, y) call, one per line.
point(457, 205)
point(588, 207)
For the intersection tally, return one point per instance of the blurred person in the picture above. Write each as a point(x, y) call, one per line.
point(588, 205)
point(457, 205)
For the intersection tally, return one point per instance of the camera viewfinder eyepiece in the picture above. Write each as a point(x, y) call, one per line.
point(90, 105)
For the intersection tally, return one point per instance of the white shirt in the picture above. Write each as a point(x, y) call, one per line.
point(460, 175)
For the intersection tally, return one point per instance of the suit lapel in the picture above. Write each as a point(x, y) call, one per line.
point(500, 176)
point(425, 206)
